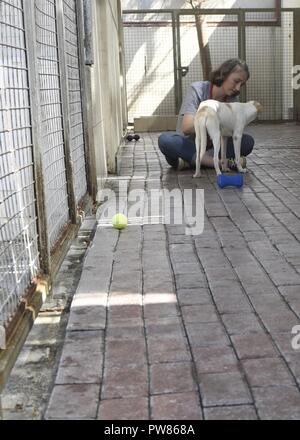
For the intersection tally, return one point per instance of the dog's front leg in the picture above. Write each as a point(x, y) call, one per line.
point(224, 160)
point(237, 139)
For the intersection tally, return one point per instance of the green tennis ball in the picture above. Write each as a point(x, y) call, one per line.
point(119, 221)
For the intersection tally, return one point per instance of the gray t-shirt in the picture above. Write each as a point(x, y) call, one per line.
point(197, 92)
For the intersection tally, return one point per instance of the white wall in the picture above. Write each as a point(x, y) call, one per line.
point(107, 109)
point(178, 4)
point(290, 3)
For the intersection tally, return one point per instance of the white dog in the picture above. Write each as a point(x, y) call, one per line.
point(221, 120)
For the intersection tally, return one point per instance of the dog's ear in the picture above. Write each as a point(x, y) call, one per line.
point(258, 106)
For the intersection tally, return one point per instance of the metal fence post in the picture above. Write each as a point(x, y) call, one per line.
point(179, 77)
point(242, 48)
point(87, 14)
point(64, 87)
point(122, 66)
point(35, 111)
point(85, 82)
point(176, 92)
point(296, 62)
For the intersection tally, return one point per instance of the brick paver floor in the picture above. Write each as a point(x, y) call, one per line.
point(166, 325)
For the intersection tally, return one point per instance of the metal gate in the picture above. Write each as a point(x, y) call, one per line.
point(262, 37)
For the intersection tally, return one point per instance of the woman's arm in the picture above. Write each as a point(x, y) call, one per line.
point(188, 124)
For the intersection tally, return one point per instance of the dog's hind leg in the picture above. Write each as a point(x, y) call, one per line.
point(213, 128)
point(217, 145)
point(201, 142)
point(197, 142)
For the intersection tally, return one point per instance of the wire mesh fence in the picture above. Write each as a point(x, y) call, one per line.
point(51, 119)
point(149, 60)
point(265, 39)
point(75, 101)
point(20, 234)
point(269, 52)
point(19, 261)
point(222, 43)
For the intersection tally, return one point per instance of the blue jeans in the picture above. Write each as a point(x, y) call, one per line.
point(174, 145)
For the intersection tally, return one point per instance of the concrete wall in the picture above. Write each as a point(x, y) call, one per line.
point(290, 3)
point(178, 4)
point(108, 101)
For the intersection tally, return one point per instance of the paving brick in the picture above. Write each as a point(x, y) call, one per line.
point(295, 306)
point(150, 263)
point(207, 241)
point(157, 310)
point(241, 323)
point(186, 268)
point(190, 281)
point(165, 327)
point(194, 296)
point(131, 408)
point(242, 412)
point(227, 289)
point(225, 273)
point(168, 350)
point(265, 303)
point(125, 381)
point(94, 285)
point(79, 347)
point(125, 352)
point(206, 334)
point(254, 345)
point(223, 389)
point(212, 257)
point(156, 278)
point(267, 372)
point(159, 286)
point(282, 274)
point(125, 322)
point(176, 406)
point(129, 282)
point(251, 236)
point(215, 359)
point(88, 312)
point(284, 343)
point(263, 287)
point(177, 239)
point(124, 311)
point(171, 378)
point(199, 313)
point(132, 330)
point(290, 292)
point(233, 303)
point(73, 402)
point(240, 257)
point(277, 403)
point(282, 321)
point(117, 298)
point(250, 274)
